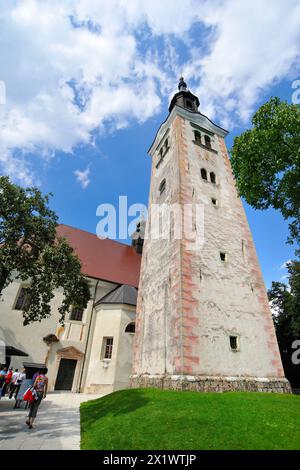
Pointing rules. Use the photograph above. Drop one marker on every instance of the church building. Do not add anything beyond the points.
(92, 352)
(164, 312)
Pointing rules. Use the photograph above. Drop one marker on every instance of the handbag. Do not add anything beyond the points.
(30, 395)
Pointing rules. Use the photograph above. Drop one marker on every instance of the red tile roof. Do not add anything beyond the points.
(106, 259)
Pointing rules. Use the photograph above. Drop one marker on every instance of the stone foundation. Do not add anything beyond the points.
(211, 384)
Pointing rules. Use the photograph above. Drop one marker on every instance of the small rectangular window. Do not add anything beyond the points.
(22, 299)
(233, 342)
(214, 201)
(203, 173)
(76, 314)
(223, 256)
(108, 347)
(213, 177)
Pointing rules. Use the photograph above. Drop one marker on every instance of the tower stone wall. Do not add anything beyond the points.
(191, 303)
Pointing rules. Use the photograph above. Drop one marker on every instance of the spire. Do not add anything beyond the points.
(184, 98)
(182, 85)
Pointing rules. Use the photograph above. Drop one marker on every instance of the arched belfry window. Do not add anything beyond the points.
(130, 328)
(207, 141)
(212, 177)
(162, 186)
(197, 136)
(204, 173)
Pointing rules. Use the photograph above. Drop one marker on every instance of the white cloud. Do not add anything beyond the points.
(254, 44)
(74, 67)
(83, 177)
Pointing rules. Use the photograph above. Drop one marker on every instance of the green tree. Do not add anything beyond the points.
(266, 162)
(294, 281)
(30, 250)
(285, 302)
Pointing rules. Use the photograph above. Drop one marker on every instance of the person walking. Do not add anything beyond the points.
(40, 385)
(7, 381)
(2, 379)
(12, 383)
(17, 379)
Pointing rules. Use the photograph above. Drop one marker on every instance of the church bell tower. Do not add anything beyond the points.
(203, 317)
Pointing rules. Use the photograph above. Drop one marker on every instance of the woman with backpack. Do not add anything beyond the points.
(40, 387)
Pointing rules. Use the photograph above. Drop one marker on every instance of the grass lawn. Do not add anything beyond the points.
(169, 420)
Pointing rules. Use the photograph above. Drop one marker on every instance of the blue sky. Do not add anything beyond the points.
(84, 101)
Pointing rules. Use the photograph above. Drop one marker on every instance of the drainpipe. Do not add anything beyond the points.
(88, 336)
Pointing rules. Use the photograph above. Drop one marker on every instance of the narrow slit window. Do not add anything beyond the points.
(166, 144)
(214, 201)
(244, 247)
(233, 343)
(162, 186)
(212, 177)
(223, 256)
(207, 141)
(204, 174)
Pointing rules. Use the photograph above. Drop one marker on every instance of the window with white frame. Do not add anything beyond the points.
(107, 347)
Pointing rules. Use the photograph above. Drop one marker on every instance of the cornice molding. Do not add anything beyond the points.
(197, 118)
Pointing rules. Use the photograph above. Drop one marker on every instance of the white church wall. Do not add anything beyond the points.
(125, 347)
(30, 338)
(27, 338)
(106, 375)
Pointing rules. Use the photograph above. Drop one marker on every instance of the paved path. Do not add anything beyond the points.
(57, 426)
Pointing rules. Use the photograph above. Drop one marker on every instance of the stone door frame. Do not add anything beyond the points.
(70, 353)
